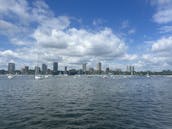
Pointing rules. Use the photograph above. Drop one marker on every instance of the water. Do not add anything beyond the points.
(86, 103)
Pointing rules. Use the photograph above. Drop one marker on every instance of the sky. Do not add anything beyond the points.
(116, 33)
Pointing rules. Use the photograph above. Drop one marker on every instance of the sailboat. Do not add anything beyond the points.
(37, 75)
(46, 76)
(147, 75)
(10, 76)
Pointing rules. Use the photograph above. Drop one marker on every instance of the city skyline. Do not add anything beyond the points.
(116, 33)
(11, 67)
(84, 69)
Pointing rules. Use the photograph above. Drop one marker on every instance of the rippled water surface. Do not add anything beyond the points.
(86, 103)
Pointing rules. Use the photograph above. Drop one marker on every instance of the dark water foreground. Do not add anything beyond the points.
(86, 103)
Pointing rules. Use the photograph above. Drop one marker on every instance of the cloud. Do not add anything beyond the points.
(163, 16)
(14, 8)
(43, 37)
(7, 28)
(165, 29)
(129, 57)
(98, 21)
(8, 53)
(131, 31)
(158, 57)
(19, 17)
(125, 26)
(82, 43)
(163, 44)
(21, 42)
(163, 13)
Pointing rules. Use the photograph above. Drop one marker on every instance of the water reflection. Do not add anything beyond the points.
(86, 102)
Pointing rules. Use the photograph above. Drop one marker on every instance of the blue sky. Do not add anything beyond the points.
(116, 32)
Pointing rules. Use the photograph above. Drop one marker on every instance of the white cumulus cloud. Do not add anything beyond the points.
(40, 35)
(163, 12)
(163, 44)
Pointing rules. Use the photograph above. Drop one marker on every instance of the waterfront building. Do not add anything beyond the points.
(22, 71)
(26, 69)
(44, 68)
(55, 67)
(130, 69)
(11, 68)
(118, 70)
(84, 67)
(99, 67)
(49, 71)
(107, 70)
(65, 70)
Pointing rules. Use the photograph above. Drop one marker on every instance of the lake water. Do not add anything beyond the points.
(83, 102)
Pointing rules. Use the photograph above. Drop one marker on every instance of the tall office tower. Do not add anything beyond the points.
(55, 67)
(128, 69)
(84, 67)
(99, 67)
(107, 70)
(132, 70)
(44, 68)
(26, 69)
(65, 70)
(11, 68)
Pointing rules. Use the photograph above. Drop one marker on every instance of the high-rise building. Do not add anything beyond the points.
(65, 70)
(84, 67)
(22, 71)
(55, 67)
(44, 68)
(11, 68)
(99, 67)
(26, 69)
(107, 70)
(130, 69)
